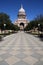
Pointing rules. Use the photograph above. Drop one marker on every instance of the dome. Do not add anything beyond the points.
(21, 9)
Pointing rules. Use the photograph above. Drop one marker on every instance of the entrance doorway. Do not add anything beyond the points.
(21, 26)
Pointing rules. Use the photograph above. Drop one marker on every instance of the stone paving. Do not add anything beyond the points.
(21, 49)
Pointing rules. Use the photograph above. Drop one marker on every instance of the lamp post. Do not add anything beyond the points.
(4, 28)
(38, 28)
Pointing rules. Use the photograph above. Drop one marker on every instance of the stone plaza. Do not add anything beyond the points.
(21, 49)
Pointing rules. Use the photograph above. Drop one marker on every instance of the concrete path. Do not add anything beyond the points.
(21, 49)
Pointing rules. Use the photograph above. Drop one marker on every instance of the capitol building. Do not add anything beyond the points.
(21, 18)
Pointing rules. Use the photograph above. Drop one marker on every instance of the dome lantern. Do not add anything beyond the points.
(21, 11)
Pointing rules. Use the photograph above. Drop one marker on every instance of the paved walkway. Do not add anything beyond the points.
(21, 49)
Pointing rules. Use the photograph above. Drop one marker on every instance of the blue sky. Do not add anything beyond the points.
(11, 7)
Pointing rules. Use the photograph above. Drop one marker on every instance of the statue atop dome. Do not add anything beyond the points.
(21, 6)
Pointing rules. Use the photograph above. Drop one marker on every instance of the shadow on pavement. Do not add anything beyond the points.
(40, 37)
(1, 39)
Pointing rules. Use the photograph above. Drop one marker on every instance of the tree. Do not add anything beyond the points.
(16, 28)
(5, 19)
(34, 23)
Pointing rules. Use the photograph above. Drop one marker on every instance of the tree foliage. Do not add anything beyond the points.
(34, 23)
(5, 19)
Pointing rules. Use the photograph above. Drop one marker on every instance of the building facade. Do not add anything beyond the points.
(21, 21)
